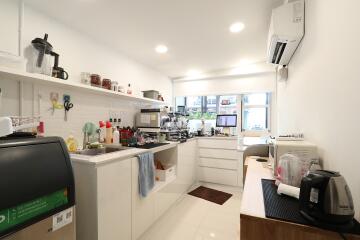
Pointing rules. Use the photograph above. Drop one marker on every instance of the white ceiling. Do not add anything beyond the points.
(195, 31)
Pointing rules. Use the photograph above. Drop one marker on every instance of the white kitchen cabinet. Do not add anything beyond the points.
(143, 209)
(220, 176)
(9, 26)
(114, 200)
(220, 161)
(218, 153)
(187, 162)
(218, 143)
(103, 200)
(147, 210)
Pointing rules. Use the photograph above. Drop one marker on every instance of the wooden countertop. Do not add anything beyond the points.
(252, 203)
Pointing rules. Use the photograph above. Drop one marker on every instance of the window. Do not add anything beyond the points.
(255, 112)
(206, 107)
(254, 109)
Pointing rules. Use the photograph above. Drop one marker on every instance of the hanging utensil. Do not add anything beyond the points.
(67, 106)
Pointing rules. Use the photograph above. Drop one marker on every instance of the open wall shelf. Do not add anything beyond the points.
(14, 74)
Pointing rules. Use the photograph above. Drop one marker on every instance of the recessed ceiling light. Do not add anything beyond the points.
(161, 49)
(236, 27)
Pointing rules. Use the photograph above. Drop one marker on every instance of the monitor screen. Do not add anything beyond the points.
(229, 120)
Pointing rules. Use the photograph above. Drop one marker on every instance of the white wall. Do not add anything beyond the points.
(78, 53)
(321, 97)
(262, 82)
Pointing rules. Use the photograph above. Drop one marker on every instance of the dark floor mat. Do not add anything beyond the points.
(211, 195)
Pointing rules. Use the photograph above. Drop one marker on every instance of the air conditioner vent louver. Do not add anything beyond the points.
(278, 53)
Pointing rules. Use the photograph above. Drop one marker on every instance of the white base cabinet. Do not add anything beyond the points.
(146, 211)
(103, 200)
(187, 163)
(220, 161)
(108, 202)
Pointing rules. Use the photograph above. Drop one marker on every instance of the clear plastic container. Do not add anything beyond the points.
(39, 62)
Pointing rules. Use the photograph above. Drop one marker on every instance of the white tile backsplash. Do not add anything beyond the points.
(88, 107)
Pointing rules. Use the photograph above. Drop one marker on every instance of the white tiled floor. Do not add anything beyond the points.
(193, 218)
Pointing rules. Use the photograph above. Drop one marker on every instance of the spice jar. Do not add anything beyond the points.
(95, 80)
(85, 78)
(106, 83)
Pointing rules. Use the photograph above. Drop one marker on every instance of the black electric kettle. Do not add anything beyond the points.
(325, 199)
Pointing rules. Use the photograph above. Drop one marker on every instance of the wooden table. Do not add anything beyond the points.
(253, 223)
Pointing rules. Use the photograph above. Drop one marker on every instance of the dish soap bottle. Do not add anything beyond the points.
(116, 136)
(71, 143)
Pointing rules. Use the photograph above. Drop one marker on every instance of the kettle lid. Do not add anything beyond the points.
(326, 173)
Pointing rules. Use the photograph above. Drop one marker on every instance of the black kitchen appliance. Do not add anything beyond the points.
(36, 181)
(326, 201)
(43, 46)
(58, 72)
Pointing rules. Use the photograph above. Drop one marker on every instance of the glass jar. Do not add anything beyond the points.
(95, 80)
(85, 78)
(106, 83)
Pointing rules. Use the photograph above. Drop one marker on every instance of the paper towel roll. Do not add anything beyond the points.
(288, 190)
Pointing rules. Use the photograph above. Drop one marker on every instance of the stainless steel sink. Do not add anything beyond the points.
(100, 151)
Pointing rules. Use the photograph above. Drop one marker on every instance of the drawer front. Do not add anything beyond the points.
(218, 163)
(220, 176)
(215, 143)
(219, 153)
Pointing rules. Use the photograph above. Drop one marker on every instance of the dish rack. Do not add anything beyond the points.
(11, 124)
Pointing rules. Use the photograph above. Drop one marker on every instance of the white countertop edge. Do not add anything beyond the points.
(116, 156)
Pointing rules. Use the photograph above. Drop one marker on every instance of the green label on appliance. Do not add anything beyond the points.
(16, 215)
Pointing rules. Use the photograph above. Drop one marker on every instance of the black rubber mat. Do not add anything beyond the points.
(286, 208)
(211, 195)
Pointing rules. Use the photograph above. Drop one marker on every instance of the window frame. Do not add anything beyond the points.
(268, 114)
(240, 107)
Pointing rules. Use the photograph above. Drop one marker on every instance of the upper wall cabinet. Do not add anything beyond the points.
(9, 26)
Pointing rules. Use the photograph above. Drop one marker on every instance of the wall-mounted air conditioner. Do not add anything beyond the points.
(286, 31)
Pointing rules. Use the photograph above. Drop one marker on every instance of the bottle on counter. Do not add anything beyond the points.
(129, 89)
(109, 133)
(71, 143)
(116, 136)
(102, 133)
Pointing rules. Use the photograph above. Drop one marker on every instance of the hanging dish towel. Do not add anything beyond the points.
(146, 173)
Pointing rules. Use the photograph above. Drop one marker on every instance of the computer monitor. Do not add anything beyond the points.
(226, 120)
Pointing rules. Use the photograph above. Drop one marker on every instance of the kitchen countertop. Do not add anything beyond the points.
(132, 152)
(119, 155)
(252, 203)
